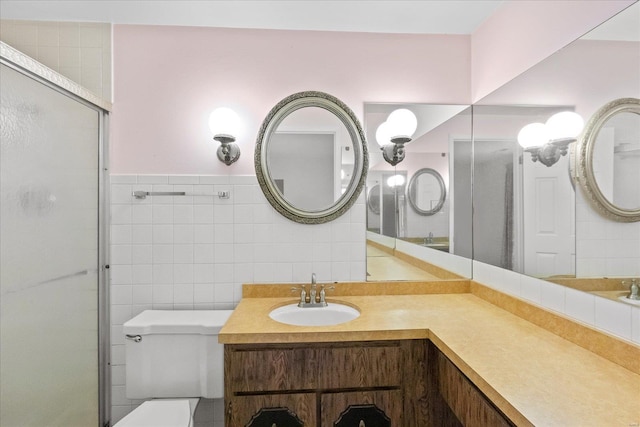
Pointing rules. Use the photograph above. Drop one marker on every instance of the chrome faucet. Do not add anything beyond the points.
(428, 240)
(314, 301)
(634, 290)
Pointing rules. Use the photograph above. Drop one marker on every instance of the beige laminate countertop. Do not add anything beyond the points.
(534, 376)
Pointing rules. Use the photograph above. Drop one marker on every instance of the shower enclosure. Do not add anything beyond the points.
(52, 261)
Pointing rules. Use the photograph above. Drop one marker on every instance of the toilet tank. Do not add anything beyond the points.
(174, 354)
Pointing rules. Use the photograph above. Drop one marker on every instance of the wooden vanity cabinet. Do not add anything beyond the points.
(458, 402)
(381, 383)
(351, 384)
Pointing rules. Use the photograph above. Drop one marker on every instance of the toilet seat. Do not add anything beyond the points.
(161, 413)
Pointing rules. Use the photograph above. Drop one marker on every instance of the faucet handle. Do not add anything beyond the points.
(303, 295)
(322, 293)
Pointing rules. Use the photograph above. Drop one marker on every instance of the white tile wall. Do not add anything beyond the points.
(616, 318)
(604, 248)
(78, 51)
(196, 251)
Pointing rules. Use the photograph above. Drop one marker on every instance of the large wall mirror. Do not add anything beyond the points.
(422, 205)
(529, 218)
(311, 157)
(532, 218)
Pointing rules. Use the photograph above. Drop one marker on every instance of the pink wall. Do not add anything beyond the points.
(168, 79)
(579, 76)
(522, 33)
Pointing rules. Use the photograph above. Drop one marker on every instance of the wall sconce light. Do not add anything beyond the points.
(393, 134)
(547, 142)
(224, 124)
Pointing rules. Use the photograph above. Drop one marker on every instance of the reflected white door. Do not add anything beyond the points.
(549, 218)
(49, 258)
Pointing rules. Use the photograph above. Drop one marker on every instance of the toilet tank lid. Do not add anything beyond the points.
(203, 322)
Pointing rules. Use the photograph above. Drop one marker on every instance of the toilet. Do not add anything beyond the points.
(174, 358)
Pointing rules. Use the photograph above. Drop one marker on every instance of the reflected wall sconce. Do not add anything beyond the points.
(549, 141)
(394, 133)
(396, 181)
(225, 124)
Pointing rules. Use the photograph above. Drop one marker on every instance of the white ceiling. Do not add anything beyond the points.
(382, 16)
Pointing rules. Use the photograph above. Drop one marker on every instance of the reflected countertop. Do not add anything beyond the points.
(534, 376)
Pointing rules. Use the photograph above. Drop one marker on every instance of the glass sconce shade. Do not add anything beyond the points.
(224, 121)
(396, 181)
(383, 134)
(565, 124)
(402, 122)
(533, 135)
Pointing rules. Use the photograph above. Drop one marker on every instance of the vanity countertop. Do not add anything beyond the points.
(534, 376)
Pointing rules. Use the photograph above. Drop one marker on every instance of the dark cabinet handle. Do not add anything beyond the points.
(271, 417)
(358, 414)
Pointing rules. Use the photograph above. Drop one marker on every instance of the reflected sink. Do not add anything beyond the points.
(438, 246)
(332, 314)
(629, 301)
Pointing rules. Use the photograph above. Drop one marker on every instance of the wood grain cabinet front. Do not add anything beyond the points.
(381, 408)
(280, 410)
(405, 383)
(328, 384)
(462, 398)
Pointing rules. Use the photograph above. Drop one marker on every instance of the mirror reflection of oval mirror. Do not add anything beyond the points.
(426, 191)
(616, 160)
(609, 159)
(311, 157)
(373, 199)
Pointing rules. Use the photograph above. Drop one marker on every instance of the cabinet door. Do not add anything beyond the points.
(280, 410)
(362, 409)
(468, 404)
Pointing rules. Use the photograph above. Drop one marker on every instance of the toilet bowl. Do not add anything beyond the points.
(173, 358)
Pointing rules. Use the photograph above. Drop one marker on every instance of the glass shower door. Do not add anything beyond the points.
(49, 255)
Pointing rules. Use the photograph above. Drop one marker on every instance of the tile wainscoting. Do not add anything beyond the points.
(195, 251)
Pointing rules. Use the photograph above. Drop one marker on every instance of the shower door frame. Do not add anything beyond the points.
(31, 68)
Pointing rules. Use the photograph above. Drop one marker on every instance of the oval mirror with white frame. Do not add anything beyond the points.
(426, 191)
(608, 164)
(311, 157)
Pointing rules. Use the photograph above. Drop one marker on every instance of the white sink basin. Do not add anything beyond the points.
(332, 314)
(629, 301)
